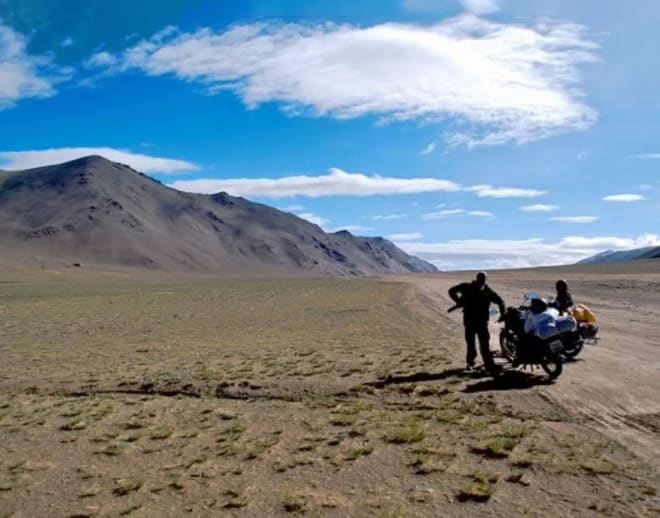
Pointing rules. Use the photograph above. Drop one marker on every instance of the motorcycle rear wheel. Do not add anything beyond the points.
(569, 354)
(552, 365)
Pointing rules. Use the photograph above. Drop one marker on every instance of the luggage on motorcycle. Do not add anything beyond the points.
(549, 323)
(566, 324)
(541, 324)
(582, 313)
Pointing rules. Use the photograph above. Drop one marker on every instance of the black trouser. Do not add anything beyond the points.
(478, 329)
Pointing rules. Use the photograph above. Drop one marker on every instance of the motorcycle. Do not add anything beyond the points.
(526, 349)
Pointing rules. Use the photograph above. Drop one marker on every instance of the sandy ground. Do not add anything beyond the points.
(614, 386)
(126, 394)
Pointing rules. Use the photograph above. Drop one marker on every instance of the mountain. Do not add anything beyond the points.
(610, 256)
(95, 210)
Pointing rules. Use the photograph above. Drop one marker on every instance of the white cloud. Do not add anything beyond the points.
(443, 214)
(354, 228)
(67, 42)
(487, 254)
(428, 149)
(293, 208)
(101, 59)
(488, 191)
(406, 236)
(575, 219)
(480, 6)
(654, 156)
(314, 218)
(450, 213)
(539, 207)
(140, 162)
(497, 82)
(388, 217)
(624, 197)
(645, 187)
(23, 75)
(335, 183)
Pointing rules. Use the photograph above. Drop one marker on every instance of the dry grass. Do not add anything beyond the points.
(260, 397)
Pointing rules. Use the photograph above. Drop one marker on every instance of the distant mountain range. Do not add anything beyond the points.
(95, 210)
(610, 256)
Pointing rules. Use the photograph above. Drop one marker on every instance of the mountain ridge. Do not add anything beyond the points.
(611, 256)
(92, 209)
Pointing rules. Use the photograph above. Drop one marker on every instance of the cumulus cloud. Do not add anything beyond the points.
(23, 75)
(487, 254)
(497, 82)
(539, 207)
(406, 236)
(335, 183)
(626, 198)
(140, 162)
(489, 191)
(428, 149)
(575, 219)
(101, 59)
(480, 6)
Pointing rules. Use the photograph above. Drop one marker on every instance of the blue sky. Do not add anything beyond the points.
(473, 133)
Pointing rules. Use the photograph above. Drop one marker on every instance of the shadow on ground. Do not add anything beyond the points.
(509, 380)
(426, 376)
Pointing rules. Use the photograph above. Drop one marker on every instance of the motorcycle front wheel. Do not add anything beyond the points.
(508, 347)
(552, 365)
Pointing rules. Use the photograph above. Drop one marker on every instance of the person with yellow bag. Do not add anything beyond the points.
(585, 318)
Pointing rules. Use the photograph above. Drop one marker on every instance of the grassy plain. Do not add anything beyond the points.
(154, 396)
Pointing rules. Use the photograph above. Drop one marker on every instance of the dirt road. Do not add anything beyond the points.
(615, 386)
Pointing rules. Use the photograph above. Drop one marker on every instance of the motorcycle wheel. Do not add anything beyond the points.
(552, 365)
(569, 354)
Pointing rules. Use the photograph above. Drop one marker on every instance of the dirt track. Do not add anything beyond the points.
(614, 386)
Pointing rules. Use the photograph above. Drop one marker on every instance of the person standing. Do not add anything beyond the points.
(475, 298)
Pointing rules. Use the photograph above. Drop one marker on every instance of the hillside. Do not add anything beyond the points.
(99, 211)
(610, 256)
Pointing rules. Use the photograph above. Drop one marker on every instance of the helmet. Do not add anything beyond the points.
(538, 305)
(561, 285)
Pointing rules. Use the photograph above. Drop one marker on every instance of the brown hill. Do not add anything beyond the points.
(94, 210)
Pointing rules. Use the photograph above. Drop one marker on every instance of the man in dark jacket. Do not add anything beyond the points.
(475, 298)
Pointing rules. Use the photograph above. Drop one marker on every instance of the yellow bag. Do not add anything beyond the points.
(582, 313)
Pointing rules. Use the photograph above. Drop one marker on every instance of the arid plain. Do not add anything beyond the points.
(138, 394)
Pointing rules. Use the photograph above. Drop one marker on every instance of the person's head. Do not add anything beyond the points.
(481, 278)
(562, 286)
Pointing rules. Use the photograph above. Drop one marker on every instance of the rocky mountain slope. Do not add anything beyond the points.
(95, 210)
